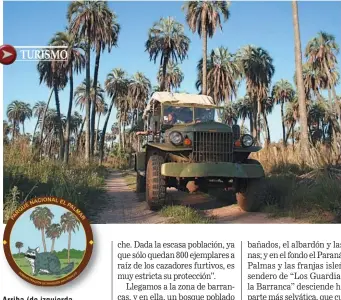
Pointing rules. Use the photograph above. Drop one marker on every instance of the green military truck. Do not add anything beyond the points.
(184, 143)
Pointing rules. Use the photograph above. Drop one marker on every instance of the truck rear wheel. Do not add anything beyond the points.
(246, 194)
(140, 183)
(155, 183)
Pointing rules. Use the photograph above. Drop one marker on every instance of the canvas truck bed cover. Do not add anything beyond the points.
(180, 99)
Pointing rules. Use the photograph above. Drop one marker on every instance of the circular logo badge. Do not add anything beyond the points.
(48, 241)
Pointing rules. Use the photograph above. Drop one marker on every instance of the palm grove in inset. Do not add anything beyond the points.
(42, 220)
(219, 75)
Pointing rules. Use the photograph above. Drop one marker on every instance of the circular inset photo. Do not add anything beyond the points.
(48, 241)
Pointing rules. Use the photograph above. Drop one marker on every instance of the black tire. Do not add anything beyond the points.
(246, 191)
(140, 183)
(246, 194)
(155, 183)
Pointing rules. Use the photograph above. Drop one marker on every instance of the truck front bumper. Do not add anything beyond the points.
(223, 169)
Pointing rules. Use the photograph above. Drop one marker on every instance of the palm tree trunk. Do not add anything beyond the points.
(124, 135)
(242, 124)
(300, 86)
(204, 51)
(88, 101)
(251, 124)
(164, 72)
(101, 143)
(60, 126)
(120, 132)
(23, 127)
(68, 119)
(79, 135)
(96, 139)
(336, 104)
(283, 126)
(35, 128)
(293, 136)
(14, 130)
(267, 129)
(43, 238)
(288, 133)
(52, 246)
(259, 110)
(43, 121)
(69, 247)
(255, 119)
(93, 109)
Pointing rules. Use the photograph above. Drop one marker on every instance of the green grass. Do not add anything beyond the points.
(130, 178)
(25, 266)
(315, 201)
(26, 177)
(184, 215)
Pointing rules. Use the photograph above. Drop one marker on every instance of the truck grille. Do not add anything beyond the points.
(213, 147)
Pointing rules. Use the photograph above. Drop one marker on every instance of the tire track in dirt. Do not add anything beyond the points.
(123, 205)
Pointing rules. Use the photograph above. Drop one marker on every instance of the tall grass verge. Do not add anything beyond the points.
(25, 178)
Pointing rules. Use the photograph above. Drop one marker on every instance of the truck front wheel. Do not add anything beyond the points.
(156, 183)
(140, 183)
(246, 194)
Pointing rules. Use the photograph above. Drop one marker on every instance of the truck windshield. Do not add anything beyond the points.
(204, 114)
(183, 115)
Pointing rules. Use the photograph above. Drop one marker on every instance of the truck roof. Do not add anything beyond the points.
(180, 99)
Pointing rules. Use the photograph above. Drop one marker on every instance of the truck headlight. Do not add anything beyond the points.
(247, 140)
(176, 138)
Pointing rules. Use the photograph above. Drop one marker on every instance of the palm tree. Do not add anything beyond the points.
(139, 90)
(6, 130)
(267, 107)
(174, 76)
(300, 86)
(106, 35)
(77, 122)
(74, 63)
(26, 113)
(282, 92)
(244, 108)
(14, 111)
(19, 245)
(257, 69)
(82, 16)
(204, 17)
(54, 74)
(167, 39)
(314, 81)
(42, 121)
(321, 51)
(229, 114)
(38, 110)
(116, 86)
(69, 223)
(42, 217)
(52, 121)
(290, 118)
(53, 232)
(96, 95)
(101, 109)
(223, 73)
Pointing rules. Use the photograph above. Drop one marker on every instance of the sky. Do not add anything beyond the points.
(24, 231)
(265, 24)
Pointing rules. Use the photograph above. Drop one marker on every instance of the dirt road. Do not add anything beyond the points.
(123, 205)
